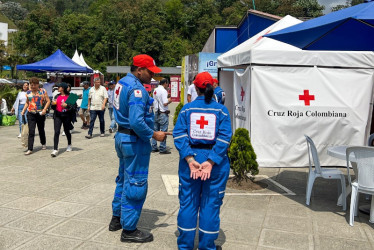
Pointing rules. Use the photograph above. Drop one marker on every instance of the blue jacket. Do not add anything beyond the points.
(202, 123)
(219, 95)
(133, 108)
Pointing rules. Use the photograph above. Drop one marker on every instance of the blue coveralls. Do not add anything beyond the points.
(196, 197)
(219, 95)
(132, 110)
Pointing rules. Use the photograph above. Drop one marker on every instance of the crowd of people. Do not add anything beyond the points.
(202, 135)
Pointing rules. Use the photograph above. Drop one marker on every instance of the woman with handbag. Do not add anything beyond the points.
(62, 116)
(37, 103)
(18, 106)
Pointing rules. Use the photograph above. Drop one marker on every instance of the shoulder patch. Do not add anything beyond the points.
(138, 93)
(117, 94)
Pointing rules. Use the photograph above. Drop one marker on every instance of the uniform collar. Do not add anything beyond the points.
(133, 76)
(200, 97)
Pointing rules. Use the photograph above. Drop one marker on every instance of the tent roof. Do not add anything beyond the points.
(57, 62)
(263, 50)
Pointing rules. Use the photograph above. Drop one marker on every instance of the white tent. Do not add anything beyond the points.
(279, 93)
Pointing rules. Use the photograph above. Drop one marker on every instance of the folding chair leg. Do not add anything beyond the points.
(353, 206)
(309, 187)
(356, 200)
(343, 193)
(372, 210)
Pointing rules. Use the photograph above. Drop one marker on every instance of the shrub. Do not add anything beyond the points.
(177, 110)
(9, 94)
(242, 156)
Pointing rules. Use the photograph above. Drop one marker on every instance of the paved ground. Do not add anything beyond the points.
(65, 203)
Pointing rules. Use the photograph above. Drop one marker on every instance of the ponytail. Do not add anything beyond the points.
(208, 93)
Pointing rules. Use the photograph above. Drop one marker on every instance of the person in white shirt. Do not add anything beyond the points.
(97, 98)
(18, 106)
(4, 107)
(161, 109)
(191, 93)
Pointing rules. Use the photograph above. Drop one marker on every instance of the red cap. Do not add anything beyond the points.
(202, 79)
(145, 61)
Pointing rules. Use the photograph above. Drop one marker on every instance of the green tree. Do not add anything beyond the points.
(310, 8)
(13, 11)
(242, 156)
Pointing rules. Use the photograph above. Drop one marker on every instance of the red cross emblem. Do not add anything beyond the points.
(242, 93)
(306, 97)
(155, 93)
(202, 122)
(117, 91)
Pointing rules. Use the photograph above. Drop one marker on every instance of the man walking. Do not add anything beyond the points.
(113, 125)
(84, 114)
(219, 94)
(134, 115)
(161, 109)
(97, 98)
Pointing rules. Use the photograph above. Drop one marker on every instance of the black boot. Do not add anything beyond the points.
(115, 224)
(218, 247)
(136, 236)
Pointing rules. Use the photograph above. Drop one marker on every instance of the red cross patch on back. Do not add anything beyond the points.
(203, 126)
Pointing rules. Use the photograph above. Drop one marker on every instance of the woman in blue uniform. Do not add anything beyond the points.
(202, 135)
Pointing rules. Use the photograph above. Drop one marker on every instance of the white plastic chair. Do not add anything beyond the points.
(364, 182)
(326, 173)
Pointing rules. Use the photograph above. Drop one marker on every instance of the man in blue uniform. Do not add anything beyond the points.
(134, 115)
(219, 94)
(202, 135)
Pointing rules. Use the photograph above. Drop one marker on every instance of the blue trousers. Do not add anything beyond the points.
(93, 115)
(132, 179)
(161, 124)
(20, 118)
(113, 124)
(200, 200)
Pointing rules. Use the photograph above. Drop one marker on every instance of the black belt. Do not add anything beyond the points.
(202, 146)
(126, 131)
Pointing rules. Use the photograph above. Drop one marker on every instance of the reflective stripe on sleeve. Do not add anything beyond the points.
(209, 232)
(218, 139)
(187, 229)
(180, 136)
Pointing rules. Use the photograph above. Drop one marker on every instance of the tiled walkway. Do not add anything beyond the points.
(65, 203)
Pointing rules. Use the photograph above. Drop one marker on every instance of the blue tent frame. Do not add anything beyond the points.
(57, 62)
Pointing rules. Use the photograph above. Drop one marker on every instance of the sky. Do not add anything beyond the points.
(330, 3)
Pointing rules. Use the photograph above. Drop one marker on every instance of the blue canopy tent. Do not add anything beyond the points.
(350, 29)
(57, 62)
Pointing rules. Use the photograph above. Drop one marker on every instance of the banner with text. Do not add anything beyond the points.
(332, 106)
(242, 99)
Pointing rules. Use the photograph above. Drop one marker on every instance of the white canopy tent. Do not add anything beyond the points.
(279, 93)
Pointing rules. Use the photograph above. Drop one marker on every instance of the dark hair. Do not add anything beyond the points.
(208, 92)
(66, 89)
(163, 81)
(133, 68)
(34, 80)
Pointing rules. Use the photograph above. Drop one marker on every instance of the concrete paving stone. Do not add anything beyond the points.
(255, 202)
(5, 198)
(97, 214)
(78, 229)
(337, 229)
(242, 216)
(287, 210)
(98, 246)
(51, 243)
(289, 224)
(35, 222)
(236, 246)
(161, 194)
(150, 220)
(76, 183)
(327, 216)
(5, 184)
(161, 240)
(23, 188)
(64, 209)
(159, 206)
(86, 197)
(170, 225)
(112, 238)
(101, 187)
(10, 238)
(106, 202)
(15, 169)
(55, 193)
(285, 240)
(243, 234)
(331, 243)
(7, 215)
(288, 199)
(28, 203)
